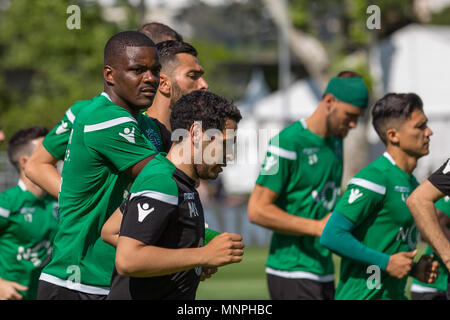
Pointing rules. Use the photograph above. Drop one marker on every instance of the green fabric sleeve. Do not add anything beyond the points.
(210, 234)
(337, 237)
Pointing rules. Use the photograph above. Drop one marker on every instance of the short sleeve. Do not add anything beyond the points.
(441, 178)
(120, 141)
(364, 195)
(55, 142)
(276, 168)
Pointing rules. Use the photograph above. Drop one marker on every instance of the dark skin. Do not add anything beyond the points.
(131, 81)
(132, 78)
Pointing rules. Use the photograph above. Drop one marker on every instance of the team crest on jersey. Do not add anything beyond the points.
(405, 191)
(128, 134)
(327, 196)
(144, 211)
(27, 214)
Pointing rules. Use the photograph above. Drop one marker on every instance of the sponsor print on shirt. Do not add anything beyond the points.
(328, 195)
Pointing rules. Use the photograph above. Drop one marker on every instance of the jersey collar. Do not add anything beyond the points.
(22, 185)
(389, 157)
(106, 96)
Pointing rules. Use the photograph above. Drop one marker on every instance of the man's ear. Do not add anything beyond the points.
(328, 100)
(108, 75)
(22, 162)
(165, 85)
(195, 132)
(392, 136)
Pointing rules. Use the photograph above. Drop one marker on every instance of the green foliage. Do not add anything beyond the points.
(44, 66)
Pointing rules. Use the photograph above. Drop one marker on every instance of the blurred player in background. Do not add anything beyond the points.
(297, 188)
(28, 223)
(2, 135)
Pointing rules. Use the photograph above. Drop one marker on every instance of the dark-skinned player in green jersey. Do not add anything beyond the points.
(106, 151)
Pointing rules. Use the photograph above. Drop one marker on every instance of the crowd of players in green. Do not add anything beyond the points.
(130, 223)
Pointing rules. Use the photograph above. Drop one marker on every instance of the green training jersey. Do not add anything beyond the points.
(27, 227)
(305, 170)
(375, 201)
(55, 142)
(155, 131)
(441, 282)
(105, 141)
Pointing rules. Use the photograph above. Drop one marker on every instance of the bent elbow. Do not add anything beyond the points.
(253, 213)
(123, 266)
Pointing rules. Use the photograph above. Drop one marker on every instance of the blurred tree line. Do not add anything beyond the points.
(45, 67)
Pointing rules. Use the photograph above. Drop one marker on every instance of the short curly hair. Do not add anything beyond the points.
(204, 106)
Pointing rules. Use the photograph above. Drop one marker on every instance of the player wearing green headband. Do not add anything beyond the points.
(298, 186)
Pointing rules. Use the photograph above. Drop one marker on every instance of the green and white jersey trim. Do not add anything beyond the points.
(156, 195)
(283, 153)
(389, 157)
(70, 116)
(369, 185)
(73, 285)
(4, 213)
(422, 289)
(108, 124)
(106, 95)
(300, 275)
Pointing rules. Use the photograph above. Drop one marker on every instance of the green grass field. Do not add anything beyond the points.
(247, 280)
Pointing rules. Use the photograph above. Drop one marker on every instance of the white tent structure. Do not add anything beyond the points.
(417, 59)
(268, 116)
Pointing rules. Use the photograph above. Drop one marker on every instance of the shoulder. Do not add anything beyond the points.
(373, 177)
(157, 176)
(286, 143)
(10, 201)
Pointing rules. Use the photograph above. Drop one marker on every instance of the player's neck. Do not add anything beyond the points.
(180, 155)
(317, 124)
(403, 160)
(30, 186)
(121, 103)
(160, 110)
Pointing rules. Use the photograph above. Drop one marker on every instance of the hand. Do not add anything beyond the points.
(224, 249)
(426, 270)
(207, 273)
(400, 264)
(8, 290)
(321, 224)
